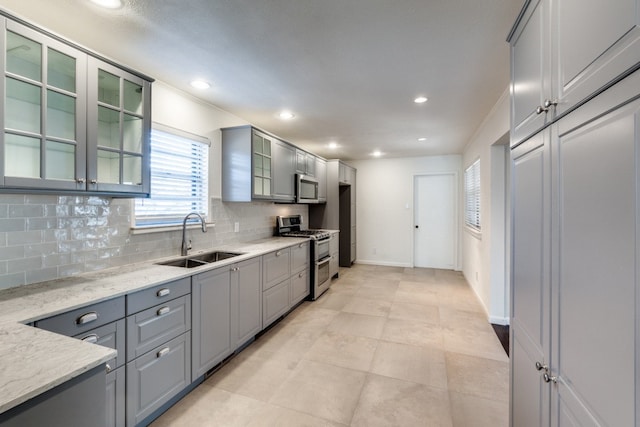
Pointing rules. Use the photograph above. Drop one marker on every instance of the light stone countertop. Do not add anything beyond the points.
(33, 360)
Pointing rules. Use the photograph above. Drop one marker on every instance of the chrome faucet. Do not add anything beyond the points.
(184, 250)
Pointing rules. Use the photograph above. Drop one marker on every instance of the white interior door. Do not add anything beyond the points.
(435, 221)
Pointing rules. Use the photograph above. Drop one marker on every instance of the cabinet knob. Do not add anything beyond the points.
(94, 181)
(549, 379)
(80, 180)
(549, 103)
(108, 368)
(540, 109)
(235, 269)
(278, 253)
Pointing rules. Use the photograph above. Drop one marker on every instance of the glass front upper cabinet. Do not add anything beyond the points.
(262, 177)
(44, 123)
(119, 126)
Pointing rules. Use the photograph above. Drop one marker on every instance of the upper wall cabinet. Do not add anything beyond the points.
(564, 53)
(258, 166)
(305, 163)
(70, 122)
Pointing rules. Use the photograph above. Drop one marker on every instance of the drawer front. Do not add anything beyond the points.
(299, 286)
(112, 336)
(150, 328)
(84, 319)
(157, 295)
(275, 267)
(275, 302)
(116, 398)
(154, 378)
(300, 257)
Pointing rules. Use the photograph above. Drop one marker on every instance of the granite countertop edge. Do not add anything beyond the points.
(33, 360)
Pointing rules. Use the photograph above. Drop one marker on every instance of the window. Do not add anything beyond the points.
(472, 195)
(179, 178)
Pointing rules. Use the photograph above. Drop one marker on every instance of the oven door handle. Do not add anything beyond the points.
(323, 261)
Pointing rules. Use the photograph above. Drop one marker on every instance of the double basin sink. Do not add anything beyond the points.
(199, 260)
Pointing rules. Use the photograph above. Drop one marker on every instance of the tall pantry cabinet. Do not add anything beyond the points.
(575, 110)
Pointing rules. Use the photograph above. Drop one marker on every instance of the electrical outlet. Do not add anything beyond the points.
(236, 227)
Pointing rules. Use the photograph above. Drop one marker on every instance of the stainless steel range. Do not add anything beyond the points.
(290, 226)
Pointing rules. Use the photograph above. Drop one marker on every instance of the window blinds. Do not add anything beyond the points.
(472, 195)
(179, 178)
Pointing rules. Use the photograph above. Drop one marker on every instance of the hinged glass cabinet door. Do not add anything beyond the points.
(118, 129)
(44, 124)
(262, 178)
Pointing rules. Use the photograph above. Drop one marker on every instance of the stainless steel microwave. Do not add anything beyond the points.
(306, 189)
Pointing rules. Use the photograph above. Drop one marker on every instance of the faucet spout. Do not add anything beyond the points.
(184, 249)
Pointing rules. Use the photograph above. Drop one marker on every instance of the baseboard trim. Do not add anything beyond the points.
(383, 263)
(504, 321)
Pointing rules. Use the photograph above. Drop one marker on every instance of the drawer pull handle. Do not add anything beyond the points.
(163, 352)
(87, 318)
(163, 292)
(92, 339)
(109, 368)
(301, 245)
(278, 253)
(163, 310)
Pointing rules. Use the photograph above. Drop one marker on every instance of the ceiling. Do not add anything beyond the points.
(348, 69)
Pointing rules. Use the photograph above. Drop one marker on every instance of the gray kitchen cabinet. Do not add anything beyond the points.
(300, 257)
(247, 170)
(321, 176)
(574, 266)
(275, 302)
(299, 287)
(284, 174)
(558, 61)
(158, 348)
(276, 267)
(157, 376)
(59, 130)
(119, 128)
(246, 298)
(227, 312)
(116, 397)
(78, 402)
(84, 319)
(305, 163)
(111, 335)
(334, 251)
(211, 324)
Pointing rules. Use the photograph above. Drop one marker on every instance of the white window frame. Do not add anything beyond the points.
(472, 205)
(145, 216)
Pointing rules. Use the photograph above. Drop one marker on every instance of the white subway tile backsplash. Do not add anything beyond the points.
(45, 237)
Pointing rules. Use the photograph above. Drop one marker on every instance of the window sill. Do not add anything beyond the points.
(473, 232)
(163, 228)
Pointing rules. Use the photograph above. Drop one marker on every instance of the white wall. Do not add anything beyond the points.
(485, 256)
(384, 206)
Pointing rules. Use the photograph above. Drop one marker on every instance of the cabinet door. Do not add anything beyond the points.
(276, 267)
(321, 176)
(275, 302)
(247, 297)
(595, 268)
(300, 257)
(299, 287)
(301, 162)
(586, 60)
(310, 161)
(115, 406)
(44, 124)
(210, 326)
(119, 129)
(530, 295)
(530, 71)
(284, 172)
(262, 184)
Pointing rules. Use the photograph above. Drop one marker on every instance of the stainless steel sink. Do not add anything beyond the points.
(199, 260)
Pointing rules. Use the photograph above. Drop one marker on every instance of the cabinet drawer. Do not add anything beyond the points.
(275, 302)
(299, 286)
(111, 335)
(158, 294)
(275, 267)
(116, 398)
(150, 328)
(154, 378)
(300, 257)
(84, 319)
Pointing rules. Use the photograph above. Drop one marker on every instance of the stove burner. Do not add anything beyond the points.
(314, 234)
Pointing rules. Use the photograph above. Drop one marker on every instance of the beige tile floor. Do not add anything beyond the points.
(385, 346)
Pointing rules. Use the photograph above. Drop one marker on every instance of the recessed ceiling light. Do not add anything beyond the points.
(333, 145)
(109, 4)
(422, 139)
(376, 153)
(286, 115)
(420, 100)
(200, 84)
